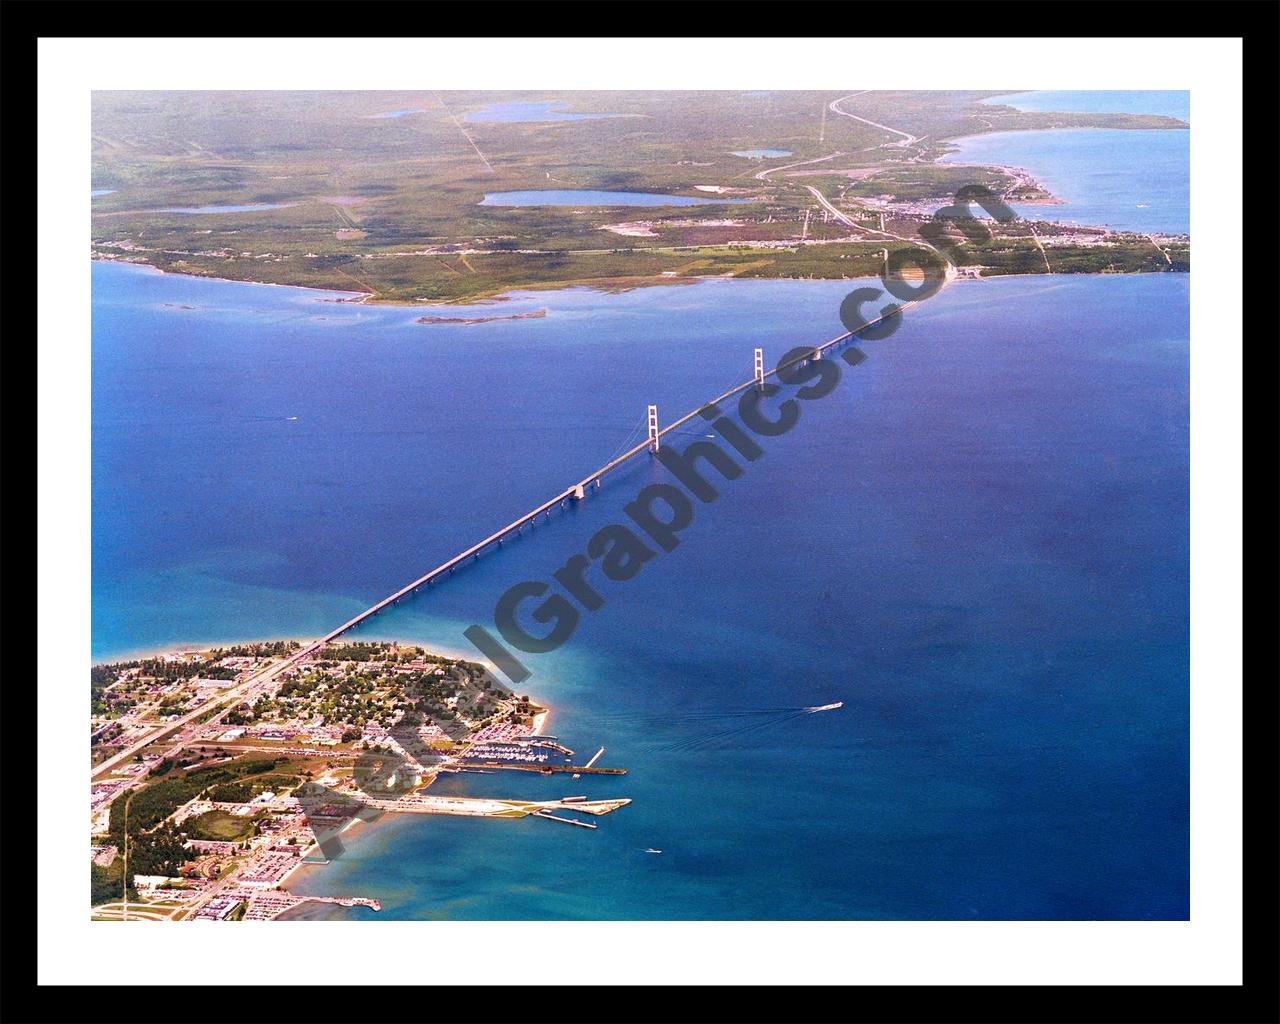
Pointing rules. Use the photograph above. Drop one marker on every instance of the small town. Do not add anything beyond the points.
(218, 774)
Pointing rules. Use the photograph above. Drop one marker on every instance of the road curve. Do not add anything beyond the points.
(907, 137)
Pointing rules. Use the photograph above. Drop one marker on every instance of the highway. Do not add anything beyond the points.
(764, 175)
(907, 137)
(264, 676)
(950, 274)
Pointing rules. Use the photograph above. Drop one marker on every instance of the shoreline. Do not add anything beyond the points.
(143, 654)
(95, 258)
(595, 284)
(1183, 127)
(305, 871)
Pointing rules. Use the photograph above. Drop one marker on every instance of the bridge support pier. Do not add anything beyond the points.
(759, 371)
(653, 429)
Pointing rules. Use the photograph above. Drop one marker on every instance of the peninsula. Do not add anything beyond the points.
(453, 205)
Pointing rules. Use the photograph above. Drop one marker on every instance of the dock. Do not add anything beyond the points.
(482, 807)
(566, 821)
(542, 768)
(345, 901)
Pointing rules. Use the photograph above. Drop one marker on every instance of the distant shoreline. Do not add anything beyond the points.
(597, 284)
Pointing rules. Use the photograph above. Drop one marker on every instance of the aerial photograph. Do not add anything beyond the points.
(754, 505)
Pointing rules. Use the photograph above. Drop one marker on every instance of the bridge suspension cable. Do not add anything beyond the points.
(577, 491)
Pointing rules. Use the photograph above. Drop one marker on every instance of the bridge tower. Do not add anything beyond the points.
(759, 369)
(653, 429)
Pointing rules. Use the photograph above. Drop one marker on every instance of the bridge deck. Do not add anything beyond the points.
(568, 492)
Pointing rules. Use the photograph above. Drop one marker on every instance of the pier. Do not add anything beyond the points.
(345, 901)
(542, 767)
(485, 807)
(566, 821)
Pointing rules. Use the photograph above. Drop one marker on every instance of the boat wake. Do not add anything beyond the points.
(709, 728)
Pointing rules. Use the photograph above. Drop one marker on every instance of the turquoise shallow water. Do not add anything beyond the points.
(978, 543)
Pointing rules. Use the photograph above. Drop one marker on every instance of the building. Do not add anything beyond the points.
(219, 908)
(103, 855)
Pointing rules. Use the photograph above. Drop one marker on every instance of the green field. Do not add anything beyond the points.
(220, 825)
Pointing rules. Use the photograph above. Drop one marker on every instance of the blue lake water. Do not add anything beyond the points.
(94, 193)
(757, 154)
(395, 113)
(529, 112)
(978, 543)
(245, 208)
(587, 197)
(1094, 101)
(1127, 180)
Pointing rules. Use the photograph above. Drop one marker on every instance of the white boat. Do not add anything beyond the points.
(826, 707)
(650, 849)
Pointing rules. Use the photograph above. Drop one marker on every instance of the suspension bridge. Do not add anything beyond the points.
(579, 490)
